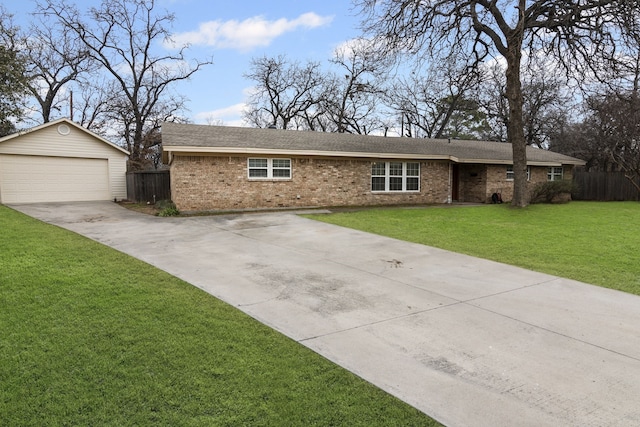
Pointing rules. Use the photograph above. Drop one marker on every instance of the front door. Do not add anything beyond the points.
(455, 182)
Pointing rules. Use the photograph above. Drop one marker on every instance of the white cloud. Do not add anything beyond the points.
(227, 116)
(248, 34)
(351, 45)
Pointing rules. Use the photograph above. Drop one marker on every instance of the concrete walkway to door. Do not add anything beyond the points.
(468, 341)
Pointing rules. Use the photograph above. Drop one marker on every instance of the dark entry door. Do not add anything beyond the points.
(455, 182)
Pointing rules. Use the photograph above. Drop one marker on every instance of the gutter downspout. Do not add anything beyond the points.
(450, 189)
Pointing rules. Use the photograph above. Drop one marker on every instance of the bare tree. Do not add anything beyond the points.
(492, 97)
(121, 37)
(607, 134)
(427, 101)
(352, 94)
(545, 101)
(580, 34)
(91, 101)
(612, 127)
(303, 96)
(581, 138)
(55, 57)
(284, 91)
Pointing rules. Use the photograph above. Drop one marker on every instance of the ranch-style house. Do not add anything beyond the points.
(216, 168)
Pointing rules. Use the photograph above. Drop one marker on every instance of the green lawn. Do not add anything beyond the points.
(597, 243)
(90, 336)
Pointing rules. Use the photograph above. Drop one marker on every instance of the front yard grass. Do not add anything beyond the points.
(90, 336)
(593, 242)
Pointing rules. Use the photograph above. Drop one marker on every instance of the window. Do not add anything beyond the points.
(258, 168)
(281, 168)
(554, 173)
(269, 168)
(510, 174)
(395, 176)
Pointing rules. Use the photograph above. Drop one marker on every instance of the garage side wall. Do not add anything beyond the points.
(210, 183)
(75, 144)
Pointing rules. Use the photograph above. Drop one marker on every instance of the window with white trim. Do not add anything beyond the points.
(554, 173)
(510, 173)
(395, 176)
(261, 168)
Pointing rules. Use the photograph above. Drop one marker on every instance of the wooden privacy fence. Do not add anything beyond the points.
(603, 186)
(148, 186)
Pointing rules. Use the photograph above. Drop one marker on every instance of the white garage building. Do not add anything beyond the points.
(60, 161)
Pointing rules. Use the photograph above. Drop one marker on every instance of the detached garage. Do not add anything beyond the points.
(60, 161)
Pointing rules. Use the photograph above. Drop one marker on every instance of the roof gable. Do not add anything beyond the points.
(58, 122)
(177, 137)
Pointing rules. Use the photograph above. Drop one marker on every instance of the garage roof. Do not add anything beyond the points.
(204, 139)
(58, 122)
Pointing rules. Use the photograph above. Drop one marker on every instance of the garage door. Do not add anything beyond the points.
(31, 179)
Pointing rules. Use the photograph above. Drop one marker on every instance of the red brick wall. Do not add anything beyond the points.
(209, 183)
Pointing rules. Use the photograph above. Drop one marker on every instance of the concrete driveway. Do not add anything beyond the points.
(469, 342)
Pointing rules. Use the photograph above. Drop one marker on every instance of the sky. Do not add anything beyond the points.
(235, 31)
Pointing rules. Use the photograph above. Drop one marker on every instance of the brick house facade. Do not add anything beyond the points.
(211, 182)
(223, 168)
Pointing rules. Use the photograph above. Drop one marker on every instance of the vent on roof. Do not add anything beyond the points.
(273, 127)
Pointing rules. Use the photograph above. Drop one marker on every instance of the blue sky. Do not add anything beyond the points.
(234, 32)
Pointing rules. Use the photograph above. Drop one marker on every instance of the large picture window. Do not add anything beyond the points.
(269, 168)
(395, 176)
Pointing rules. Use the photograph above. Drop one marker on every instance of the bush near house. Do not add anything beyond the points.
(553, 192)
(167, 208)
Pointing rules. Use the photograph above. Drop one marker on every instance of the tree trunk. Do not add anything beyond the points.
(515, 127)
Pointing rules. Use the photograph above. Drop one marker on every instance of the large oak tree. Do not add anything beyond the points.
(583, 36)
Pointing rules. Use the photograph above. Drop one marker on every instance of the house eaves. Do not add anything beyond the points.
(168, 151)
(298, 153)
(547, 163)
(222, 140)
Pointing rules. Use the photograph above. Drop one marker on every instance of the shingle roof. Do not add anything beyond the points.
(224, 139)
